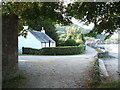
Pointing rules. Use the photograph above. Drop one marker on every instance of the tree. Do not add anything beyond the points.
(48, 27)
(104, 15)
(83, 39)
(63, 36)
(29, 11)
(36, 15)
(80, 38)
(73, 31)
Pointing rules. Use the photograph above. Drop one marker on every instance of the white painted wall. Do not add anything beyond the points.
(47, 45)
(30, 41)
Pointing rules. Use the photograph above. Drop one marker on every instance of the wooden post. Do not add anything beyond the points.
(49, 43)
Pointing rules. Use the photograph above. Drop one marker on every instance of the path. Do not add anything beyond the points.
(57, 71)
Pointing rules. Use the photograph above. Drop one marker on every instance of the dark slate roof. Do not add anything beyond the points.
(42, 37)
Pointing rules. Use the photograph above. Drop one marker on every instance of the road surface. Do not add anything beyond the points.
(71, 71)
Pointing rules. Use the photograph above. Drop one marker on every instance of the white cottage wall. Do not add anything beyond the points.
(47, 45)
(30, 41)
(53, 44)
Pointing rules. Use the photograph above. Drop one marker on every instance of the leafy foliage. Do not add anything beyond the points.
(36, 15)
(33, 11)
(72, 30)
(61, 43)
(70, 42)
(80, 38)
(104, 15)
(48, 27)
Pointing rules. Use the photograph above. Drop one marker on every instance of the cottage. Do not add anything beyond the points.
(35, 39)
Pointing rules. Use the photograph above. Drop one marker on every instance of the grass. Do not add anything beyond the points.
(96, 80)
(98, 84)
(95, 76)
(98, 50)
(113, 84)
(15, 82)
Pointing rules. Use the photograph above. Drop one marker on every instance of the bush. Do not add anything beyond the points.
(70, 42)
(31, 51)
(61, 43)
(68, 50)
(79, 41)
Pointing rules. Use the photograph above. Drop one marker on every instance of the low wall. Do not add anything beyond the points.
(103, 54)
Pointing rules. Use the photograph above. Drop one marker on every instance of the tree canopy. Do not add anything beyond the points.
(104, 15)
(36, 15)
(49, 28)
(29, 11)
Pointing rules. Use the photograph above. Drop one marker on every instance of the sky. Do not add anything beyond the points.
(75, 21)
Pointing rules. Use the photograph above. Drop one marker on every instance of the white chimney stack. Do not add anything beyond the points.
(43, 30)
(25, 27)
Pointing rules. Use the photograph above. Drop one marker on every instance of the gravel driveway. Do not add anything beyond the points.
(57, 71)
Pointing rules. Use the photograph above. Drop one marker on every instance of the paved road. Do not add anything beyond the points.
(57, 71)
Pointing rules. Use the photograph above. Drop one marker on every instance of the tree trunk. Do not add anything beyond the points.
(9, 46)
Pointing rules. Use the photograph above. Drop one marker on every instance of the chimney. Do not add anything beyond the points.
(25, 27)
(43, 30)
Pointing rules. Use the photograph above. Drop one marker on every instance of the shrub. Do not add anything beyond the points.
(67, 50)
(31, 51)
(61, 43)
(70, 42)
(77, 44)
(79, 41)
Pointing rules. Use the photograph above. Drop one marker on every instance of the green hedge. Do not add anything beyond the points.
(70, 42)
(66, 50)
(31, 51)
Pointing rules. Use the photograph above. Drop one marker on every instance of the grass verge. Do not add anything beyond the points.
(96, 79)
(113, 84)
(95, 76)
(98, 50)
(15, 82)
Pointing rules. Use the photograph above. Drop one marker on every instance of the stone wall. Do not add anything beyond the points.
(9, 46)
(103, 54)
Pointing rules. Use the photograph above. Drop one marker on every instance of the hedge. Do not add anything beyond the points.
(66, 50)
(70, 42)
(31, 51)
